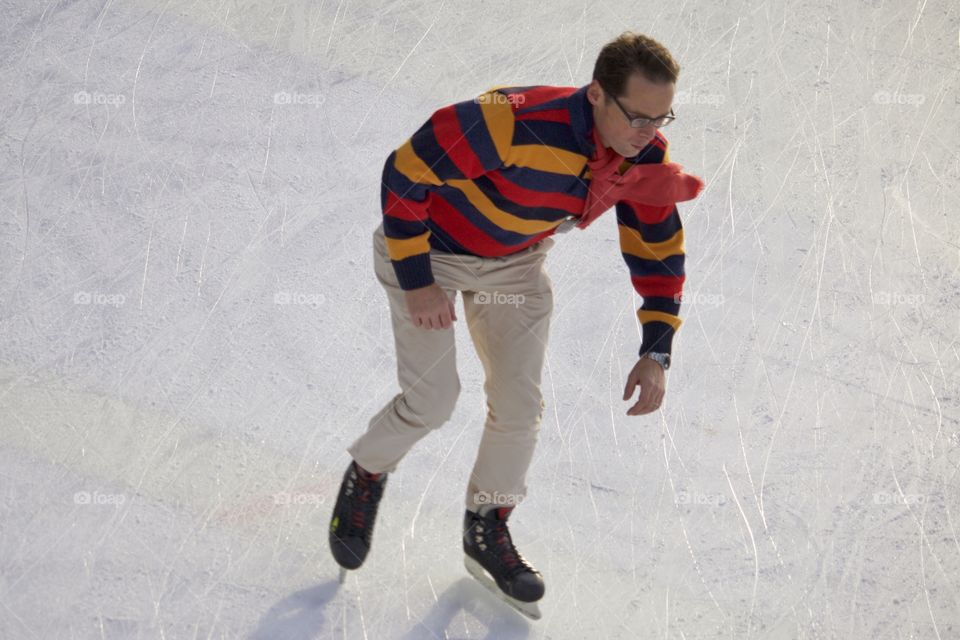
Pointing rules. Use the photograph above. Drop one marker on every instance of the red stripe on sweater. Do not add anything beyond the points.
(451, 222)
(659, 286)
(531, 198)
(403, 209)
(553, 115)
(471, 238)
(649, 214)
(536, 97)
(449, 135)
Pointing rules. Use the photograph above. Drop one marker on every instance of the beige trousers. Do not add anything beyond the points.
(507, 303)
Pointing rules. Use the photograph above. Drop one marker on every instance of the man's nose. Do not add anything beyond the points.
(645, 134)
(649, 130)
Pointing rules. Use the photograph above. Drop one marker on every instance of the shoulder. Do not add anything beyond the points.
(530, 99)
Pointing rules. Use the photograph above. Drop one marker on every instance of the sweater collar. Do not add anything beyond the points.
(581, 119)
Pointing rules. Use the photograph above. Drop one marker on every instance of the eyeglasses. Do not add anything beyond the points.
(637, 123)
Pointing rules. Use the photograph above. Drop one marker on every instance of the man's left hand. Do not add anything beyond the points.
(648, 374)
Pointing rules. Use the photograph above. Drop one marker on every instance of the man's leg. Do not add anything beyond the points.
(426, 371)
(509, 322)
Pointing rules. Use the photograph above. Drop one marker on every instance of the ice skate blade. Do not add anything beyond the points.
(475, 569)
(343, 575)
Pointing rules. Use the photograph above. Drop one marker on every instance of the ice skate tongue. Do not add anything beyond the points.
(500, 513)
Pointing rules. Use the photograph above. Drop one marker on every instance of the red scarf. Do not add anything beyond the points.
(653, 184)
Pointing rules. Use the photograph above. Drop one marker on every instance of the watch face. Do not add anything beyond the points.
(662, 358)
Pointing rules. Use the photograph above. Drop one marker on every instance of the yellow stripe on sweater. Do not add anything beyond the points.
(658, 316)
(399, 249)
(632, 243)
(413, 168)
(498, 119)
(498, 216)
(543, 157)
(500, 122)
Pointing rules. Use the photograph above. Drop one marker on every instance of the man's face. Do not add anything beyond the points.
(643, 99)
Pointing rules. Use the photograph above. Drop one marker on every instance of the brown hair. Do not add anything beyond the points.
(630, 53)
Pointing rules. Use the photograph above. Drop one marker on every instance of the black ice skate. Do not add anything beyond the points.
(489, 550)
(351, 524)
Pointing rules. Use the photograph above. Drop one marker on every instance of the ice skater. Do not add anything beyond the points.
(470, 203)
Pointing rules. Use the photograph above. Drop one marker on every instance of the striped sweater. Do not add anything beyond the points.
(492, 175)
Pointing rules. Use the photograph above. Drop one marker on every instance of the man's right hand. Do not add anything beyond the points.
(430, 308)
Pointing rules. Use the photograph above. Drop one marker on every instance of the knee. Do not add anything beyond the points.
(434, 404)
(520, 410)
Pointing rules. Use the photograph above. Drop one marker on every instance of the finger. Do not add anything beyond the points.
(646, 408)
(644, 402)
(637, 410)
(642, 410)
(628, 390)
(652, 405)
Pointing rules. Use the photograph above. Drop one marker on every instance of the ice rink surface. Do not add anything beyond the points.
(191, 332)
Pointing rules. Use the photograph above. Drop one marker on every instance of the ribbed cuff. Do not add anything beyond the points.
(657, 337)
(413, 272)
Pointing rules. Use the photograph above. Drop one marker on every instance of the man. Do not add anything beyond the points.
(469, 204)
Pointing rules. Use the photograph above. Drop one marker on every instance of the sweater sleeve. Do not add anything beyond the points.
(459, 142)
(651, 242)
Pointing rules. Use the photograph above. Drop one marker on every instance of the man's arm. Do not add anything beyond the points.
(651, 242)
(459, 142)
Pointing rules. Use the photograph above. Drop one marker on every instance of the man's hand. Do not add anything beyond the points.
(430, 308)
(649, 375)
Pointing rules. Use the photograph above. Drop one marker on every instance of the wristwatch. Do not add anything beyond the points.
(663, 359)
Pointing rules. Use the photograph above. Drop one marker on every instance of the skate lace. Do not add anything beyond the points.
(498, 536)
(366, 499)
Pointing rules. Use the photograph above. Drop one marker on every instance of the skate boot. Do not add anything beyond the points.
(488, 547)
(351, 524)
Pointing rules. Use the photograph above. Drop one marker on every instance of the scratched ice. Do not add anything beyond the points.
(191, 333)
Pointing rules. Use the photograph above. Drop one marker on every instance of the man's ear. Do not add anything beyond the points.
(594, 93)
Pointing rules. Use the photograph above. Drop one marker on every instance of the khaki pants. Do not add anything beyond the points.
(507, 303)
